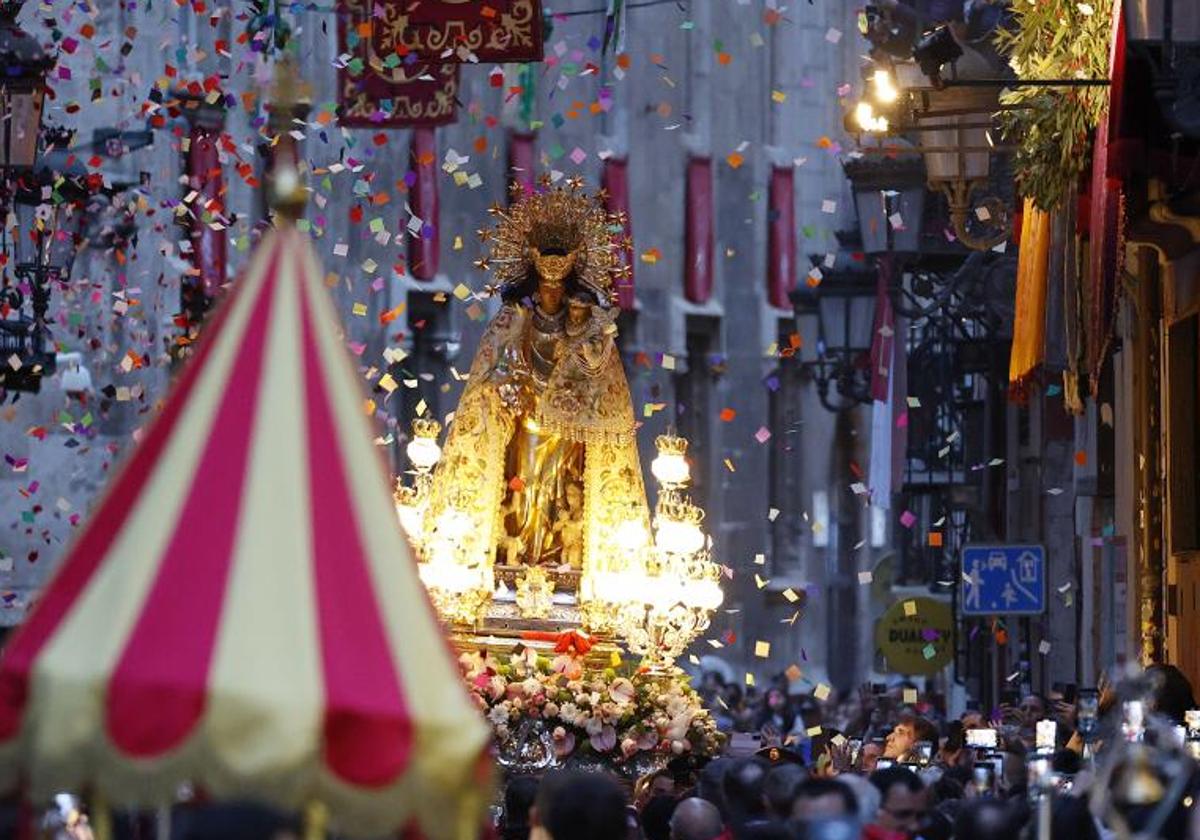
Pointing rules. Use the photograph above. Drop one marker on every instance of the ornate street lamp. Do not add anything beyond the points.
(23, 68)
(24, 357)
(950, 119)
(840, 312)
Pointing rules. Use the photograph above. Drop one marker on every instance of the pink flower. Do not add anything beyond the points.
(629, 747)
(622, 690)
(604, 740)
(567, 665)
(564, 742)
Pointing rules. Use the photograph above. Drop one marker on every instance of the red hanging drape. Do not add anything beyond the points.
(781, 237)
(424, 245)
(206, 176)
(884, 335)
(615, 181)
(698, 231)
(1107, 208)
(522, 160)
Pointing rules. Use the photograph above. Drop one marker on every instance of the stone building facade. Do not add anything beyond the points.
(749, 84)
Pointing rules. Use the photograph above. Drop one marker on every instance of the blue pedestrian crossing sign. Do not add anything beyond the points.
(1003, 580)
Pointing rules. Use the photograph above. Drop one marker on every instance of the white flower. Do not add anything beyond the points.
(498, 714)
(550, 709)
(569, 712)
(1085, 9)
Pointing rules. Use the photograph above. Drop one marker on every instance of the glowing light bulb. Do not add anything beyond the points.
(886, 91)
(424, 453)
(865, 116)
(670, 468)
(675, 537)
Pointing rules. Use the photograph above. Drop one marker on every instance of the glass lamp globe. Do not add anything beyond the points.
(424, 453)
(675, 537)
(670, 468)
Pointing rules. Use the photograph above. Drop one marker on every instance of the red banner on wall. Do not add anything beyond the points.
(424, 245)
(698, 233)
(615, 181)
(463, 30)
(381, 85)
(781, 237)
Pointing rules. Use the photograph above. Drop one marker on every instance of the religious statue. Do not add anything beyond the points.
(569, 528)
(543, 438)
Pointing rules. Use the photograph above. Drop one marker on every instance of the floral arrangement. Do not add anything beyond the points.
(1055, 39)
(614, 713)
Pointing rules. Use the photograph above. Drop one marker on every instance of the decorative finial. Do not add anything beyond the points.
(291, 98)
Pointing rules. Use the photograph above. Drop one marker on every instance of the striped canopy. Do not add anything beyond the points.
(241, 611)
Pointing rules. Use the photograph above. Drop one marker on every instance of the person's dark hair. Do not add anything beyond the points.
(1071, 818)
(987, 819)
(962, 775)
(946, 788)
(1172, 692)
(743, 789)
(765, 831)
(581, 806)
(937, 826)
(956, 737)
(710, 786)
(519, 796)
(816, 788)
(656, 817)
(1067, 761)
(925, 730)
(696, 819)
(780, 788)
(885, 780)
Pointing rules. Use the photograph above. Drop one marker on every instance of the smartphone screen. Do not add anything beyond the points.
(981, 739)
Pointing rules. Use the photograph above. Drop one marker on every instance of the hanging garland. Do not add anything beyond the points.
(1052, 126)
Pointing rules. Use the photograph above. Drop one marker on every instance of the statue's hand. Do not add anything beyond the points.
(510, 396)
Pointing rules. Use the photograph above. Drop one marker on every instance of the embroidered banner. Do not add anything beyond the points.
(377, 87)
(462, 30)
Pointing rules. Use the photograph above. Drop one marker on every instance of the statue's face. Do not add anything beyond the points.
(550, 296)
(578, 311)
(552, 271)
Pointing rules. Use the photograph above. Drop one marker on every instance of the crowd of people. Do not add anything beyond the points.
(1117, 762)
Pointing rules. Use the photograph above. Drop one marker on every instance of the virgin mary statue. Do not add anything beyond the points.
(540, 466)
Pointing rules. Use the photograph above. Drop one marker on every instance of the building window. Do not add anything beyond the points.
(784, 389)
(694, 402)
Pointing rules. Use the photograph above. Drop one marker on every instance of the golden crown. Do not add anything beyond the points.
(556, 221)
(679, 509)
(424, 427)
(671, 444)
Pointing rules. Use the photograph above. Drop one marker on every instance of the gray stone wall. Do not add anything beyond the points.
(775, 100)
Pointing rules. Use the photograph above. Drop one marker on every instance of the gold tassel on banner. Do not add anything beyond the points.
(1029, 323)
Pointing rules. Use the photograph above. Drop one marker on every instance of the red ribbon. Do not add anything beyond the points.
(572, 641)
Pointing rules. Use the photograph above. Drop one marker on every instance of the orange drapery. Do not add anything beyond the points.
(1029, 324)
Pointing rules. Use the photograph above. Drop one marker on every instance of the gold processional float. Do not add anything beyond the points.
(531, 525)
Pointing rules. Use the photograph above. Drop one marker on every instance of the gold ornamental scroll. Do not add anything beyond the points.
(465, 30)
(378, 87)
